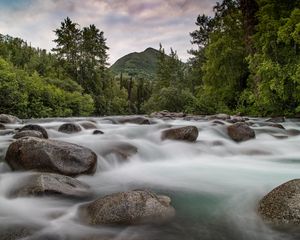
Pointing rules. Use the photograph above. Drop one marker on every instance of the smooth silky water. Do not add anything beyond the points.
(215, 184)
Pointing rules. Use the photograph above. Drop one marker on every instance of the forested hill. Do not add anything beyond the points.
(141, 64)
(245, 59)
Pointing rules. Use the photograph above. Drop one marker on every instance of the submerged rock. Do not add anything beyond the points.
(220, 116)
(2, 126)
(240, 132)
(49, 184)
(188, 133)
(7, 132)
(282, 205)
(128, 208)
(6, 118)
(28, 133)
(35, 127)
(130, 119)
(276, 119)
(88, 125)
(50, 156)
(69, 128)
(123, 151)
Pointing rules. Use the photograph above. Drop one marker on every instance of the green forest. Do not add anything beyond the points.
(245, 59)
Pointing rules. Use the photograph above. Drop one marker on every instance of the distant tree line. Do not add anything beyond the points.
(246, 59)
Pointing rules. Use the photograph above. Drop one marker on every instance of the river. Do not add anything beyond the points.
(215, 183)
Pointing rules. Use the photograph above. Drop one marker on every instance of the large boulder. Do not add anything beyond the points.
(282, 205)
(5, 118)
(51, 184)
(69, 128)
(129, 208)
(28, 133)
(34, 127)
(50, 156)
(240, 132)
(188, 133)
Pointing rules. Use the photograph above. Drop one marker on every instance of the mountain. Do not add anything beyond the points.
(141, 64)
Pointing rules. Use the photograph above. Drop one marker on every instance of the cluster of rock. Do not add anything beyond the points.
(56, 164)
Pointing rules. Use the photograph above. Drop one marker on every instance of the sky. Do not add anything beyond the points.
(128, 25)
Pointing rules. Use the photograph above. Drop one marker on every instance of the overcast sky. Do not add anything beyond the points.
(128, 25)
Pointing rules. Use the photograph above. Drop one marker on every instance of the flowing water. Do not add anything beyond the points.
(215, 184)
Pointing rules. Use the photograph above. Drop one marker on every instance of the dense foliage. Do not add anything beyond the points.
(32, 84)
(248, 57)
(246, 60)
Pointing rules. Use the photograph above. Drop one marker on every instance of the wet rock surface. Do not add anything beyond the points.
(50, 156)
(88, 125)
(35, 127)
(127, 208)
(6, 118)
(282, 205)
(51, 184)
(123, 151)
(240, 132)
(70, 128)
(188, 133)
(28, 133)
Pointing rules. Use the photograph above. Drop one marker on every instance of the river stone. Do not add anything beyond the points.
(240, 132)
(128, 208)
(97, 132)
(69, 128)
(35, 127)
(276, 119)
(50, 156)
(16, 231)
(220, 116)
(2, 126)
(122, 150)
(282, 205)
(28, 133)
(88, 125)
(5, 118)
(49, 184)
(188, 133)
(135, 120)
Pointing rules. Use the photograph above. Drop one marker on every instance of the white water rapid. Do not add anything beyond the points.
(215, 183)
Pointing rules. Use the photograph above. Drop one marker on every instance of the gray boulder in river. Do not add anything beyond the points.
(282, 205)
(35, 127)
(5, 118)
(69, 128)
(127, 208)
(50, 156)
(240, 132)
(188, 133)
(49, 184)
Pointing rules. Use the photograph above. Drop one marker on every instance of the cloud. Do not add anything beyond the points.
(128, 25)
